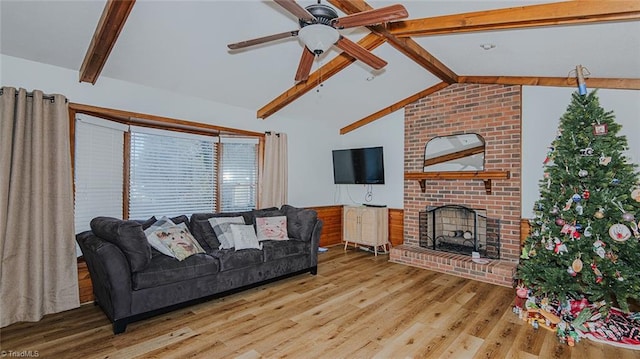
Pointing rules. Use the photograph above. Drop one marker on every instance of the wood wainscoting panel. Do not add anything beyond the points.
(396, 226)
(85, 287)
(332, 228)
(525, 227)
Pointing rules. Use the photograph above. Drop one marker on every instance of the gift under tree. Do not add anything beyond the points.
(584, 241)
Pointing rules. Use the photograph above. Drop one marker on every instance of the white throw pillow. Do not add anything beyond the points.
(244, 236)
(223, 233)
(272, 228)
(153, 239)
(179, 241)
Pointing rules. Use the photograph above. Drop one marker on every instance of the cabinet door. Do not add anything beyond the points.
(369, 222)
(351, 225)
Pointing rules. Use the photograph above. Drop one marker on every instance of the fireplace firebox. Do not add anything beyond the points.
(459, 229)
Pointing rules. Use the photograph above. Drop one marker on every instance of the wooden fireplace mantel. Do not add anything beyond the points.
(486, 176)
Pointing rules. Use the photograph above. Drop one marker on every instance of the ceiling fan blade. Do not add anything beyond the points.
(262, 40)
(304, 68)
(297, 10)
(360, 53)
(372, 17)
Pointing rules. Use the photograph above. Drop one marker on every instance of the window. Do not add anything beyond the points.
(171, 173)
(98, 170)
(164, 172)
(239, 175)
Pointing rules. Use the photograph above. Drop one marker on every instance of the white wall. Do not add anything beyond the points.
(310, 142)
(542, 108)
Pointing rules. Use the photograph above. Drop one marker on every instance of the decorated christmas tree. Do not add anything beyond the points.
(584, 244)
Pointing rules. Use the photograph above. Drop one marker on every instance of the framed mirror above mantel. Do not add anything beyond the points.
(456, 157)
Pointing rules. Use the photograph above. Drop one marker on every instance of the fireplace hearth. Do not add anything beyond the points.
(459, 229)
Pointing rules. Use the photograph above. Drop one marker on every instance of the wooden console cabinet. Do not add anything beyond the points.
(367, 226)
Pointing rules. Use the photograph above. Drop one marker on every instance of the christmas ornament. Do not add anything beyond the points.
(555, 209)
(579, 209)
(583, 173)
(604, 160)
(612, 257)
(578, 227)
(586, 194)
(575, 235)
(619, 276)
(567, 205)
(597, 272)
(598, 248)
(599, 213)
(559, 247)
(560, 221)
(525, 253)
(522, 292)
(628, 217)
(586, 151)
(619, 232)
(577, 265)
(571, 272)
(576, 198)
(615, 181)
(587, 231)
(600, 129)
(635, 194)
(634, 229)
(532, 252)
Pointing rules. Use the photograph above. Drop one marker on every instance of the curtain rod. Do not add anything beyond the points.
(52, 98)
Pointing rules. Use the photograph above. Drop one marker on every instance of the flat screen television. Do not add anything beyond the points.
(358, 166)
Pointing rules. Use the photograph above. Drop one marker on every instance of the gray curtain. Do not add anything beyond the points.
(38, 270)
(275, 177)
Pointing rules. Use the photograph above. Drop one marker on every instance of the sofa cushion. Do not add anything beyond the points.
(244, 236)
(232, 259)
(264, 212)
(179, 241)
(300, 222)
(281, 249)
(128, 236)
(165, 270)
(273, 228)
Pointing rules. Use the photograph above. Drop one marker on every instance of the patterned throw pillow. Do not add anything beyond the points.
(223, 232)
(244, 237)
(273, 228)
(179, 241)
(153, 239)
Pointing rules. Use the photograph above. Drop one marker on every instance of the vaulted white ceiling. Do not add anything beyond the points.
(181, 46)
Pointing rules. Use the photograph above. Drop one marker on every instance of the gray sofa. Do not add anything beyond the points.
(133, 281)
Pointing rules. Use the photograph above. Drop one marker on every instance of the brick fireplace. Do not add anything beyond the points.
(493, 112)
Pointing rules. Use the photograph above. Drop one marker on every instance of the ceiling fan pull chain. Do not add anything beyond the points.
(320, 84)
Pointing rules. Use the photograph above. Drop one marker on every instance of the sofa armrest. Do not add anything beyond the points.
(315, 242)
(110, 274)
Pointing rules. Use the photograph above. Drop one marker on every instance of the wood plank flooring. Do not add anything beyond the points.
(358, 306)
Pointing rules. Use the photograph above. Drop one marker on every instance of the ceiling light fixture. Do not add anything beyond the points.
(487, 46)
(318, 38)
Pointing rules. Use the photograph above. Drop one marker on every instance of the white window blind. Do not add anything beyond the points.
(239, 172)
(171, 173)
(98, 170)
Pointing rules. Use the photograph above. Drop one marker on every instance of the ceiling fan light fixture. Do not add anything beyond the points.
(318, 38)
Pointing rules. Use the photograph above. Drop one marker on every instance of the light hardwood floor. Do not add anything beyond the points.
(358, 306)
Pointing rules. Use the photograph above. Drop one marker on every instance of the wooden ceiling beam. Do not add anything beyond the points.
(395, 107)
(561, 13)
(609, 83)
(111, 22)
(407, 46)
(369, 42)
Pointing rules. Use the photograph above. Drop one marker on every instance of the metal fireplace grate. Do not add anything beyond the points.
(459, 229)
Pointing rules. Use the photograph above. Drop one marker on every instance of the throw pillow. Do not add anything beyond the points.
(274, 228)
(223, 232)
(179, 240)
(244, 236)
(153, 239)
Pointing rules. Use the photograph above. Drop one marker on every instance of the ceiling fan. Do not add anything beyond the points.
(319, 25)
